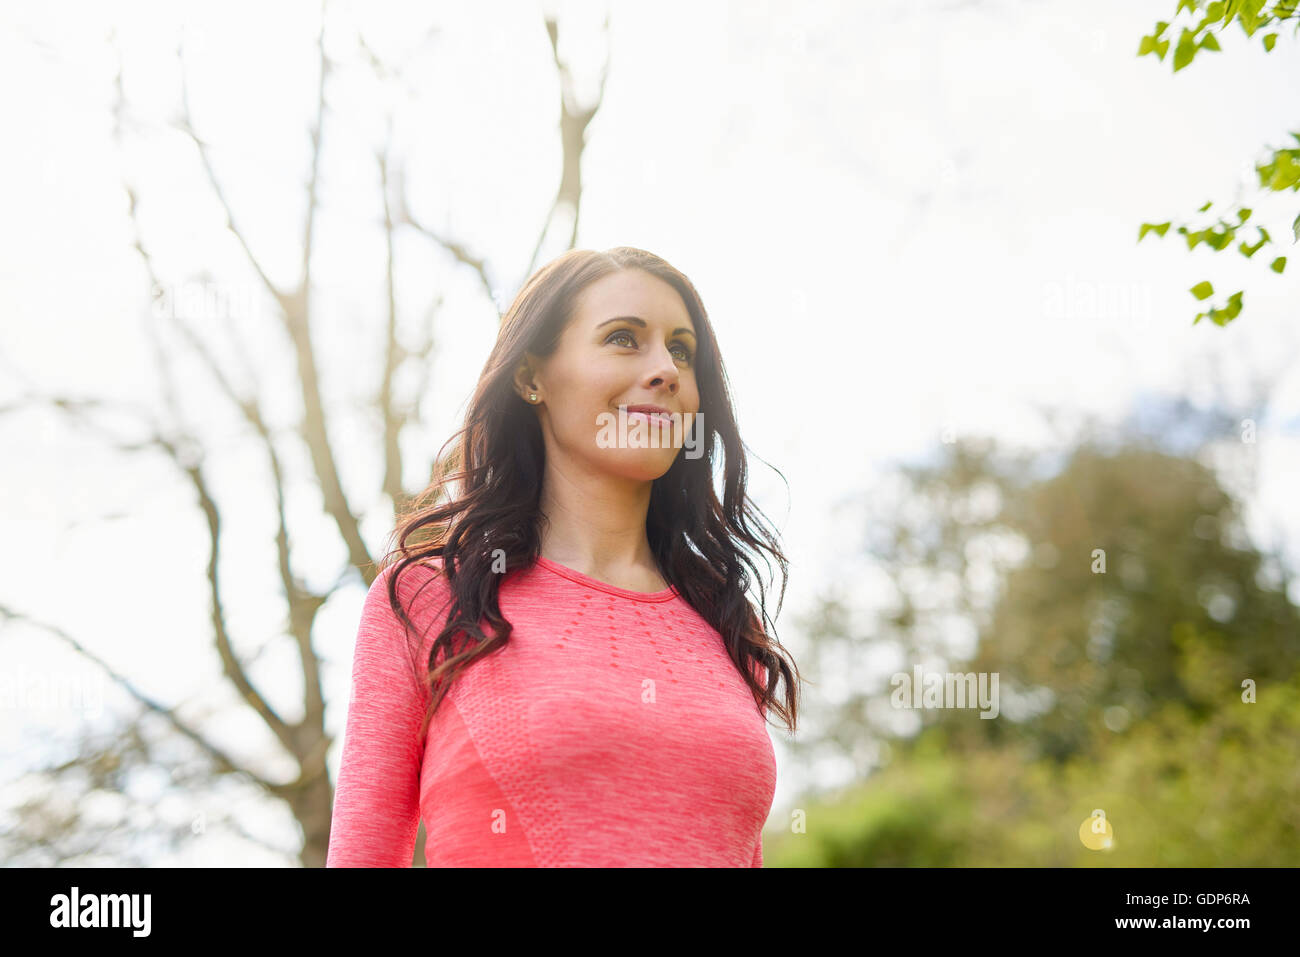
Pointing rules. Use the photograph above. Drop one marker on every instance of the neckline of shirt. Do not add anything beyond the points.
(587, 581)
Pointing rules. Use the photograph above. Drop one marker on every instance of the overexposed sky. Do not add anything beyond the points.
(903, 218)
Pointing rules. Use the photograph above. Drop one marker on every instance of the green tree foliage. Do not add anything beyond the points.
(1136, 670)
(1129, 551)
(925, 532)
(1180, 790)
(1280, 172)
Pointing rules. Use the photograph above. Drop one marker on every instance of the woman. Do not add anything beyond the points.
(612, 711)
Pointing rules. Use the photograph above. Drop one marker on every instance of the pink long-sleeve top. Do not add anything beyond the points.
(613, 730)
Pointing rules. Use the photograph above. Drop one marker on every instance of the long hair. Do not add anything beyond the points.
(496, 464)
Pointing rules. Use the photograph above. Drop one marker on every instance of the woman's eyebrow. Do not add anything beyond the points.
(637, 320)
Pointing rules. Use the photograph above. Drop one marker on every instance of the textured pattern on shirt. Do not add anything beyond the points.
(612, 730)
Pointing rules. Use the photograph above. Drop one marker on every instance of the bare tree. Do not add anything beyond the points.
(45, 835)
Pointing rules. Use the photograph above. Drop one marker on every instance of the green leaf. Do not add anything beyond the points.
(1269, 41)
(1278, 264)
(1249, 15)
(1295, 228)
(1209, 43)
(1162, 48)
(1158, 228)
(1286, 170)
(1207, 205)
(1161, 26)
(1215, 10)
(1248, 250)
(1243, 214)
(1185, 50)
(1203, 290)
(1221, 317)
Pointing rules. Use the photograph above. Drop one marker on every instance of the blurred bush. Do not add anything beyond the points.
(1180, 788)
(1120, 601)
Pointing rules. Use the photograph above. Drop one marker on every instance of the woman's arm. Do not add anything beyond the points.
(376, 814)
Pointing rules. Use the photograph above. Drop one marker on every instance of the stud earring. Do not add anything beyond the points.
(532, 397)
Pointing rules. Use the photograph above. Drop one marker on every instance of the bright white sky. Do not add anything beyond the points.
(902, 218)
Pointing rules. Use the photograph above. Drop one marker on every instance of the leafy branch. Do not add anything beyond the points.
(1280, 172)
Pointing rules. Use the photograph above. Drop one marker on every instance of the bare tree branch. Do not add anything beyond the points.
(185, 454)
(295, 309)
(303, 605)
(394, 420)
(186, 125)
(223, 761)
(459, 251)
(573, 135)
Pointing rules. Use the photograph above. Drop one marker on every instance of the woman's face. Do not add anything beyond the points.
(630, 342)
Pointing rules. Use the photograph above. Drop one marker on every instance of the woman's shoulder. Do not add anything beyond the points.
(423, 597)
(418, 580)
(428, 566)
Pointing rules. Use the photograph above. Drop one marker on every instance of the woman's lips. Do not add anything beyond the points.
(660, 418)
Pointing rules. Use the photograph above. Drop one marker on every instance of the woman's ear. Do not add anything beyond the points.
(525, 383)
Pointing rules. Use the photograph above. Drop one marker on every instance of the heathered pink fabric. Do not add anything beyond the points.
(612, 731)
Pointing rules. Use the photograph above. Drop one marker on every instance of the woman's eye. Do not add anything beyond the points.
(624, 334)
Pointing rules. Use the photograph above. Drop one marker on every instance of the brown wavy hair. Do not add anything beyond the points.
(496, 462)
